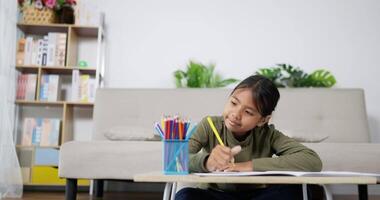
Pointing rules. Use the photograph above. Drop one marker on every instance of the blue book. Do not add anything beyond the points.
(37, 131)
(46, 156)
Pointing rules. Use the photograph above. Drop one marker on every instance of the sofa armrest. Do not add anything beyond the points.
(109, 159)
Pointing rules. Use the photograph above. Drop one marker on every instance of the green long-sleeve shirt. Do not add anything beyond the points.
(259, 146)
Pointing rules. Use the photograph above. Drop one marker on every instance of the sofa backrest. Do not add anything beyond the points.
(337, 113)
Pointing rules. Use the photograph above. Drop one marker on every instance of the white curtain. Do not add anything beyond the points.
(10, 174)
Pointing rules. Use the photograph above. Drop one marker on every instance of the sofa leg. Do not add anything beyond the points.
(363, 192)
(98, 187)
(71, 189)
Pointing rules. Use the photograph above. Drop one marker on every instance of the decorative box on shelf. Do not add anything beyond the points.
(33, 15)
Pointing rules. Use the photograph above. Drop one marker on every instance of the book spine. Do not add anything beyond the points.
(60, 51)
(23, 86)
(31, 87)
(44, 87)
(51, 49)
(84, 87)
(75, 86)
(91, 89)
(20, 55)
(45, 133)
(37, 131)
(44, 50)
(54, 135)
(34, 54)
(27, 131)
(18, 92)
(28, 50)
(39, 51)
(53, 88)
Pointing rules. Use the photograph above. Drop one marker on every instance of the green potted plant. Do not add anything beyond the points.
(199, 75)
(285, 75)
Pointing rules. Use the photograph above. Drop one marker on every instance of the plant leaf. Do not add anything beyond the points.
(274, 74)
(226, 82)
(322, 78)
(199, 75)
(179, 76)
(285, 75)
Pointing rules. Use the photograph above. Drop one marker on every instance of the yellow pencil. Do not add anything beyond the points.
(215, 131)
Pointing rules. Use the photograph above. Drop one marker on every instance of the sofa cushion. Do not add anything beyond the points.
(131, 133)
(301, 136)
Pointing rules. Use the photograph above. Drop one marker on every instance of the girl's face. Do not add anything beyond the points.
(240, 113)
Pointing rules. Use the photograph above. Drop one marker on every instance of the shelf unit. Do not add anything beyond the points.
(82, 43)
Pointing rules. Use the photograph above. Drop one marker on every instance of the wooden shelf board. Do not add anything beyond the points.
(55, 166)
(89, 31)
(40, 103)
(80, 104)
(42, 29)
(56, 69)
(27, 69)
(35, 146)
(55, 103)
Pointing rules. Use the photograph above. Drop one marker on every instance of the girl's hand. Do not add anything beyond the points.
(240, 167)
(219, 158)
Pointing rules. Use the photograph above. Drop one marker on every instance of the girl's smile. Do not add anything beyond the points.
(240, 113)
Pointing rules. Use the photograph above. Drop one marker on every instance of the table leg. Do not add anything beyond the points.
(304, 191)
(363, 192)
(71, 189)
(174, 190)
(327, 191)
(167, 189)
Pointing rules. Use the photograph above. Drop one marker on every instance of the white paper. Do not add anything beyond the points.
(289, 173)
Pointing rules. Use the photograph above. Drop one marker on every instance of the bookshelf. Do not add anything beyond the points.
(39, 163)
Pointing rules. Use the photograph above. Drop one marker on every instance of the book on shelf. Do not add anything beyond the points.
(27, 131)
(60, 49)
(26, 87)
(28, 50)
(45, 42)
(75, 86)
(83, 87)
(50, 132)
(56, 49)
(47, 50)
(40, 132)
(84, 79)
(20, 51)
(37, 131)
(291, 173)
(50, 87)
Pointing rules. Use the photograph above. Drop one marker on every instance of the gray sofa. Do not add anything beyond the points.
(333, 122)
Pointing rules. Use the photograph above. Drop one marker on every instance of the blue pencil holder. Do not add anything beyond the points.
(176, 157)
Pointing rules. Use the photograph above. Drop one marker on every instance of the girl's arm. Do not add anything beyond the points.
(292, 156)
(199, 140)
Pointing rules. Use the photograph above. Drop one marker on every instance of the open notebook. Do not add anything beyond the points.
(290, 173)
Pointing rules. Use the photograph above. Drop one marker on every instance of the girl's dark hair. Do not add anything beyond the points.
(265, 94)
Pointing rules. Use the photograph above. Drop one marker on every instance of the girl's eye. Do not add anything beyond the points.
(233, 103)
(249, 112)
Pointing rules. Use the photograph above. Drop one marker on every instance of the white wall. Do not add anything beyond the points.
(149, 39)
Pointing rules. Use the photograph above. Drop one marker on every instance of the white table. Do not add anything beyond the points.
(171, 180)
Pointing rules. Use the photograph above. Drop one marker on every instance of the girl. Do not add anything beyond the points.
(244, 123)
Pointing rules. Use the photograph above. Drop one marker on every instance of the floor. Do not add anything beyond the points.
(128, 195)
(86, 196)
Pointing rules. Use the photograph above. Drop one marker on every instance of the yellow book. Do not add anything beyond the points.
(48, 175)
